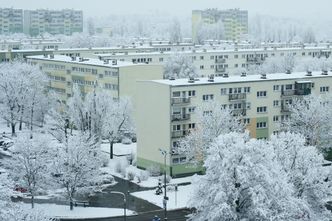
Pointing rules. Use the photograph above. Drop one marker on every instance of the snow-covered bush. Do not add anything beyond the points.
(154, 169)
(130, 175)
(144, 175)
(120, 167)
(104, 159)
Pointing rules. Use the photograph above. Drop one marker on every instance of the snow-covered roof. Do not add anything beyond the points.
(86, 61)
(216, 51)
(302, 76)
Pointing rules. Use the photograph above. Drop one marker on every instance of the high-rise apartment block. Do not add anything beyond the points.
(235, 22)
(66, 21)
(11, 21)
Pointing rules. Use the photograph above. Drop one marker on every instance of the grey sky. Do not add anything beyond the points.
(319, 9)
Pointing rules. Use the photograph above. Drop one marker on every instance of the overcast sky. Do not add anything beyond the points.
(285, 8)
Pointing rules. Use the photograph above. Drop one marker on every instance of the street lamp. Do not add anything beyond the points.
(164, 153)
(124, 203)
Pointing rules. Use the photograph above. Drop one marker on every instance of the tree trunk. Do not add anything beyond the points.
(32, 201)
(21, 119)
(111, 149)
(71, 203)
(13, 129)
(31, 126)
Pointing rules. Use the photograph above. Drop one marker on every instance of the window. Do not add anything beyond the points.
(192, 93)
(175, 160)
(161, 59)
(248, 105)
(261, 109)
(176, 127)
(275, 118)
(207, 97)
(191, 109)
(194, 57)
(176, 94)
(201, 67)
(243, 65)
(236, 56)
(246, 120)
(237, 90)
(236, 65)
(324, 89)
(288, 86)
(237, 106)
(276, 87)
(261, 125)
(212, 66)
(261, 93)
(201, 57)
(191, 126)
(276, 103)
(246, 90)
(284, 117)
(225, 56)
(212, 57)
(223, 91)
(276, 132)
(303, 53)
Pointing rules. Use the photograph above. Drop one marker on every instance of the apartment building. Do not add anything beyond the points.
(11, 21)
(223, 61)
(169, 113)
(117, 78)
(234, 21)
(66, 21)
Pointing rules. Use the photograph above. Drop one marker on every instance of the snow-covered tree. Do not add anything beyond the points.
(119, 121)
(19, 91)
(175, 32)
(311, 116)
(244, 181)
(302, 164)
(13, 211)
(76, 163)
(28, 165)
(179, 65)
(213, 120)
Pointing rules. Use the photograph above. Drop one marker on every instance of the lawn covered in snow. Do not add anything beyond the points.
(63, 211)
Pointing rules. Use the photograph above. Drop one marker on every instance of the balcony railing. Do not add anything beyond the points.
(179, 117)
(288, 92)
(237, 112)
(220, 70)
(284, 108)
(234, 97)
(179, 133)
(180, 100)
(301, 92)
(220, 60)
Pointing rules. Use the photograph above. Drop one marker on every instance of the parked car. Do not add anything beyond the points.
(20, 189)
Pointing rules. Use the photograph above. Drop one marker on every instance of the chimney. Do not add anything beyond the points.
(309, 73)
(171, 78)
(191, 80)
(114, 62)
(288, 71)
(243, 74)
(263, 76)
(325, 72)
(225, 75)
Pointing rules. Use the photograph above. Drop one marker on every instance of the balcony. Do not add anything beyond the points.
(180, 117)
(220, 60)
(179, 133)
(239, 112)
(287, 92)
(236, 97)
(220, 70)
(255, 60)
(284, 108)
(302, 92)
(180, 100)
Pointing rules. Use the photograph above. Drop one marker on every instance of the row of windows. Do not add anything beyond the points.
(278, 118)
(83, 82)
(112, 73)
(84, 70)
(56, 78)
(177, 127)
(111, 86)
(54, 66)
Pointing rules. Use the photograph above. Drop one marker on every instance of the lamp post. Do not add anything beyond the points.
(124, 203)
(164, 153)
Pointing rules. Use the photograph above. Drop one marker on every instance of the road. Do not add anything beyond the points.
(174, 215)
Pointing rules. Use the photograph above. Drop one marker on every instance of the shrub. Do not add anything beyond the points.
(144, 175)
(154, 170)
(130, 175)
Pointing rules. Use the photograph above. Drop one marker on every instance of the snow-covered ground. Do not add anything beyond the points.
(120, 149)
(176, 200)
(63, 211)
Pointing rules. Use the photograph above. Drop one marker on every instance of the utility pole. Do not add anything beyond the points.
(164, 153)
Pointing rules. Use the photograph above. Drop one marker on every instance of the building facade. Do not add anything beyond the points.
(11, 21)
(169, 115)
(66, 21)
(117, 78)
(234, 22)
